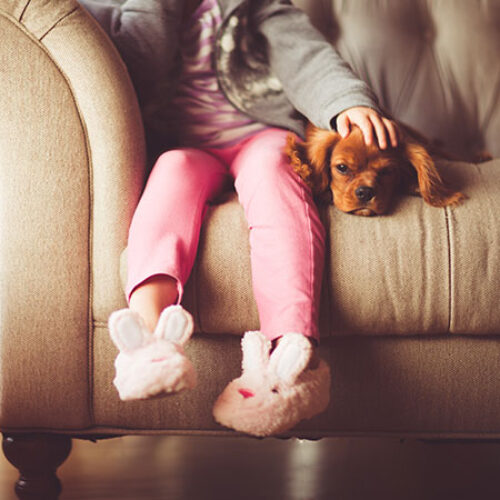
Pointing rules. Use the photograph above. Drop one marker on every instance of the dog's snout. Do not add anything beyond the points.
(364, 193)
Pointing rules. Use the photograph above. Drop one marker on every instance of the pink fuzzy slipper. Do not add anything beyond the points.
(152, 364)
(275, 391)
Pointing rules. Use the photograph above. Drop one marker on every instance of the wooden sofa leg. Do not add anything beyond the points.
(37, 457)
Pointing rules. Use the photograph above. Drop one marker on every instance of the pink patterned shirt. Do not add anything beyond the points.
(204, 117)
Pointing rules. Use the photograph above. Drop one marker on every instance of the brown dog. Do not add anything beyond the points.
(364, 180)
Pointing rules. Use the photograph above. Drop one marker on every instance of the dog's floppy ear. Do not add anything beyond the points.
(311, 159)
(319, 147)
(428, 182)
(295, 149)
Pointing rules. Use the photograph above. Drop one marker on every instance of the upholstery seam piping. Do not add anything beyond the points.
(327, 271)
(24, 11)
(68, 14)
(447, 213)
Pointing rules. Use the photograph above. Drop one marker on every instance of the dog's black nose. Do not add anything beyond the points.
(365, 193)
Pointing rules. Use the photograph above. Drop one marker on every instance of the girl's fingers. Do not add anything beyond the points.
(380, 130)
(391, 128)
(372, 125)
(343, 126)
(367, 128)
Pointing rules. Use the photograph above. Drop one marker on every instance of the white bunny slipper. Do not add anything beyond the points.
(152, 364)
(275, 391)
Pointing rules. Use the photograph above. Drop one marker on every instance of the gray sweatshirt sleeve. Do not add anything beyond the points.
(145, 33)
(317, 81)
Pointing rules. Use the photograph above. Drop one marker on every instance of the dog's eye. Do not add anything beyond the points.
(342, 168)
(385, 172)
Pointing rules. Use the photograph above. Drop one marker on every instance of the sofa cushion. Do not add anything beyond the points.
(415, 387)
(420, 270)
(417, 271)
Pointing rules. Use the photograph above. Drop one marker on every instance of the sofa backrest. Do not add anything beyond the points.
(434, 64)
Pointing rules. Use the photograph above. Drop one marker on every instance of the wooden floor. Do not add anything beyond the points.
(193, 468)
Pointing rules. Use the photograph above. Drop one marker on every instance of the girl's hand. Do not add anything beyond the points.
(369, 121)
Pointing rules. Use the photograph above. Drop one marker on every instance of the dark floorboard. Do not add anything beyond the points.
(194, 468)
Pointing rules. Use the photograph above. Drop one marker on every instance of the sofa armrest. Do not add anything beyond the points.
(111, 118)
(72, 161)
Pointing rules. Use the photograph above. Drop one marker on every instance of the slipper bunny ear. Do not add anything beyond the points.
(255, 347)
(290, 357)
(127, 330)
(175, 325)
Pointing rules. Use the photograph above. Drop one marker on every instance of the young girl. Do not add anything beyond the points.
(221, 83)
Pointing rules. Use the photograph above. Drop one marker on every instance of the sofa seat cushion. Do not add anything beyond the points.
(391, 386)
(418, 271)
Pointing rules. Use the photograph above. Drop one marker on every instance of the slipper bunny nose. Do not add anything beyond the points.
(246, 393)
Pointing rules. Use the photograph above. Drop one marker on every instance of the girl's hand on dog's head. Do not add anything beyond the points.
(371, 124)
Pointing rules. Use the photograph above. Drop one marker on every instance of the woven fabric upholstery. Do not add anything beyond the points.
(419, 271)
(409, 313)
(71, 170)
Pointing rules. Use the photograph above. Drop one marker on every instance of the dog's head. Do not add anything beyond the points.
(365, 180)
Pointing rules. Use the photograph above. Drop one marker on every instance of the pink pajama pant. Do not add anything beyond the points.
(286, 234)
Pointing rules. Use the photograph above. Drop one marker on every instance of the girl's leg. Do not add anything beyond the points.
(286, 237)
(165, 229)
(152, 296)
(287, 249)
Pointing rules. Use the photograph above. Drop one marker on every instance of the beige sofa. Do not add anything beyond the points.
(410, 310)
